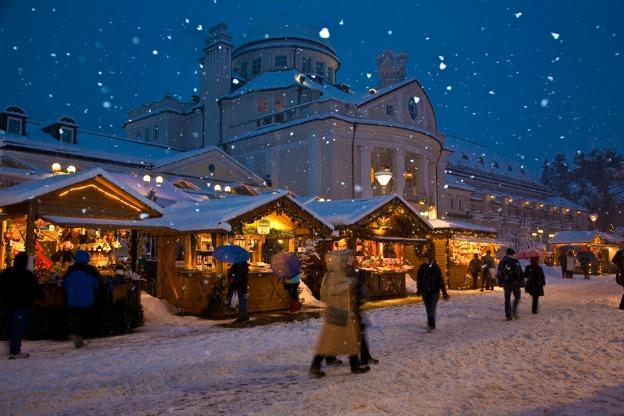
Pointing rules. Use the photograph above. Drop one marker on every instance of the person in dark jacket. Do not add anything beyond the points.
(510, 277)
(238, 276)
(474, 267)
(487, 264)
(429, 285)
(18, 290)
(535, 281)
(618, 260)
(563, 258)
(82, 286)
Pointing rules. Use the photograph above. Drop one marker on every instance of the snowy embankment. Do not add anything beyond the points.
(568, 359)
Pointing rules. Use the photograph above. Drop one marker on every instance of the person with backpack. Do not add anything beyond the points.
(473, 268)
(618, 260)
(510, 277)
(535, 281)
(18, 290)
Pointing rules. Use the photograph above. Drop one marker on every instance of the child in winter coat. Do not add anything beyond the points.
(536, 280)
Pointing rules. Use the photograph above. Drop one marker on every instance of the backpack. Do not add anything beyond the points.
(507, 273)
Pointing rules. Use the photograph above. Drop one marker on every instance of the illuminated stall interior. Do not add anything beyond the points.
(601, 244)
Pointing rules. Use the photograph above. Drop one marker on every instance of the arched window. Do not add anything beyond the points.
(411, 107)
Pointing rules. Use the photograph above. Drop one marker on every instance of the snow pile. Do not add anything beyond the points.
(307, 296)
(158, 311)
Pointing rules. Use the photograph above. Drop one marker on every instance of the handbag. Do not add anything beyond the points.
(234, 300)
(336, 316)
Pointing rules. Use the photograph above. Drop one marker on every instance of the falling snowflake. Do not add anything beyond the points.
(136, 40)
(550, 78)
(324, 33)
(518, 14)
(544, 102)
(14, 48)
(554, 35)
(187, 20)
(341, 22)
(368, 75)
(441, 57)
(389, 32)
(491, 92)
(154, 52)
(106, 104)
(449, 87)
(442, 66)
(200, 28)
(416, 99)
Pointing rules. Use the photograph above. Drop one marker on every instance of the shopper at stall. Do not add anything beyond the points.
(238, 278)
(18, 290)
(535, 281)
(474, 267)
(510, 276)
(570, 265)
(487, 264)
(563, 261)
(340, 333)
(429, 285)
(82, 286)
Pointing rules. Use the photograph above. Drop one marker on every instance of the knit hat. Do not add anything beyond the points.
(81, 257)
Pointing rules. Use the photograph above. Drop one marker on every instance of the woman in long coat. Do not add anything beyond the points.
(536, 280)
(340, 333)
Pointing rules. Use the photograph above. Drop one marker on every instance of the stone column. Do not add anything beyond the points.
(423, 171)
(399, 169)
(365, 167)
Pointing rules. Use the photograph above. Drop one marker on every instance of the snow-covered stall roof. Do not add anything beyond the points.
(572, 237)
(215, 214)
(439, 224)
(345, 212)
(167, 194)
(34, 189)
(99, 223)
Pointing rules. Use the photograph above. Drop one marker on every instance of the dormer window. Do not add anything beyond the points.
(280, 61)
(306, 65)
(320, 69)
(66, 134)
(412, 109)
(14, 125)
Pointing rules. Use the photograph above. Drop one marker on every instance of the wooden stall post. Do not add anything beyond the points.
(3, 247)
(30, 235)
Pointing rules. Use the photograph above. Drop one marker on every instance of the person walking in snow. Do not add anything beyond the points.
(340, 333)
(487, 264)
(82, 284)
(563, 259)
(474, 267)
(429, 284)
(18, 290)
(238, 279)
(535, 281)
(509, 275)
(570, 265)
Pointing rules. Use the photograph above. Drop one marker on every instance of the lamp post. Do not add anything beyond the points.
(383, 176)
(151, 193)
(593, 218)
(541, 233)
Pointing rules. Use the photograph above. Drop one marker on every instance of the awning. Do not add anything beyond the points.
(396, 239)
(480, 240)
(99, 223)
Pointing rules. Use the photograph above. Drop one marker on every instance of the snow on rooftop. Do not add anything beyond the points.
(571, 237)
(459, 225)
(347, 211)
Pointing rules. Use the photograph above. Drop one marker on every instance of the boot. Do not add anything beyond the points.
(295, 306)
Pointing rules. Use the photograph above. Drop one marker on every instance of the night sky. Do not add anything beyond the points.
(530, 78)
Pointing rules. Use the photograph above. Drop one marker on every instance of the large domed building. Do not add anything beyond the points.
(277, 106)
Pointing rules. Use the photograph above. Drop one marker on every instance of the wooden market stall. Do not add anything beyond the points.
(388, 235)
(188, 275)
(454, 244)
(601, 244)
(53, 217)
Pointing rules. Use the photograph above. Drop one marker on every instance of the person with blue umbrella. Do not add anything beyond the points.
(238, 275)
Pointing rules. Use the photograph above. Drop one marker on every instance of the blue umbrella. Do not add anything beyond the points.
(231, 254)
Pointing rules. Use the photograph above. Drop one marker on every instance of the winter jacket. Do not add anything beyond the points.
(536, 280)
(509, 272)
(563, 258)
(488, 261)
(338, 291)
(429, 281)
(570, 263)
(18, 288)
(82, 284)
(618, 260)
(238, 276)
(474, 266)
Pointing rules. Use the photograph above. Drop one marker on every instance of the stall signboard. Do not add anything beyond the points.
(264, 227)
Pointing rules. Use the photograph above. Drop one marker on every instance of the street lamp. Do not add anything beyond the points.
(151, 193)
(383, 176)
(71, 169)
(593, 218)
(540, 232)
(56, 168)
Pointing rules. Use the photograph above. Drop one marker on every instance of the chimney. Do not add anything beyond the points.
(391, 67)
(13, 120)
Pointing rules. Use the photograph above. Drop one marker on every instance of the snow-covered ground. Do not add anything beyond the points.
(567, 360)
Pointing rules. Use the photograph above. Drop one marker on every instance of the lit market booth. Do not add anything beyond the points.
(602, 245)
(455, 243)
(188, 275)
(387, 234)
(53, 217)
